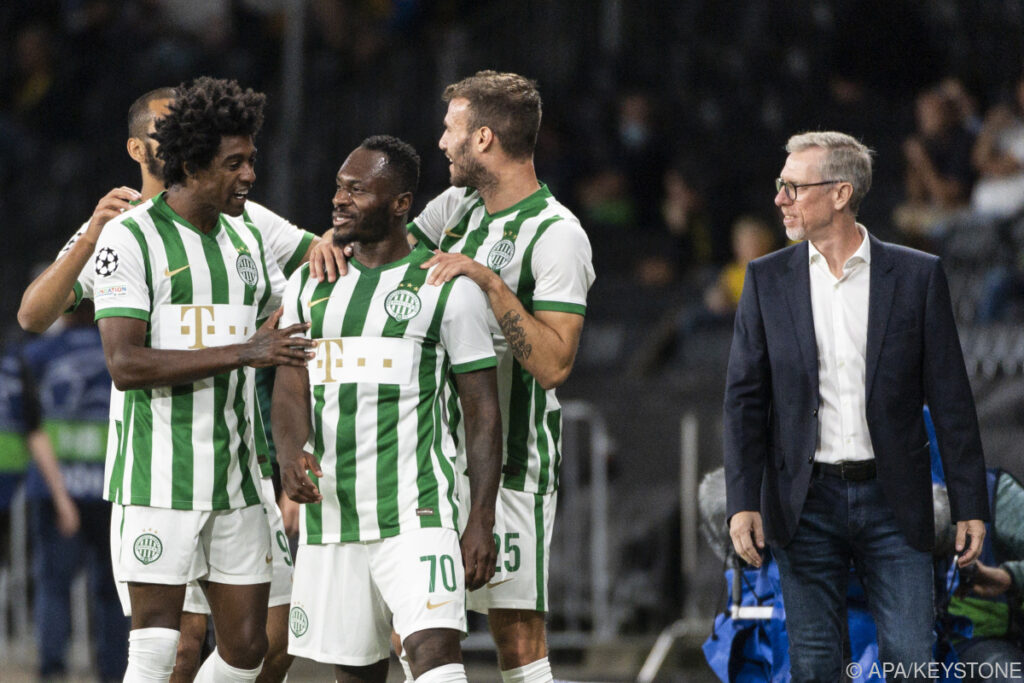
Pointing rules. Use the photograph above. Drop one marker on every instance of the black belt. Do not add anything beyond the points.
(851, 470)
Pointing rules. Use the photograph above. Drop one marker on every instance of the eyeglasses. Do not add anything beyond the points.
(791, 188)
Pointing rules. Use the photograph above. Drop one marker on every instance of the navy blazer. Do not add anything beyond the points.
(913, 358)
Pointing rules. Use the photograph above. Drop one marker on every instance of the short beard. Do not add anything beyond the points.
(471, 173)
(374, 226)
(340, 241)
(154, 166)
(795, 234)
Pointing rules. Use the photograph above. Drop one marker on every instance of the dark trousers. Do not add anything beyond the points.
(844, 522)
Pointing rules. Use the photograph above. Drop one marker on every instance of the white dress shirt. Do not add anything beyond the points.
(840, 311)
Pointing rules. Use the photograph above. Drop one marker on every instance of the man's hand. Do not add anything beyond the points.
(479, 553)
(328, 260)
(68, 520)
(113, 204)
(290, 511)
(271, 346)
(452, 265)
(975, 528)
(294, 480)
(747, 532)
(986, 582)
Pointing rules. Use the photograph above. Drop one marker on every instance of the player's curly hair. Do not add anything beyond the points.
(507, 103)
(403, 162)
(204, 110)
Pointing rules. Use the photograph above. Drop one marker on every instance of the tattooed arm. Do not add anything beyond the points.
(544, 343)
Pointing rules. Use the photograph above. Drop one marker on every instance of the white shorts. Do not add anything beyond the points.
(173, 547)
(522, 533)
(195, 598)
(348, 596)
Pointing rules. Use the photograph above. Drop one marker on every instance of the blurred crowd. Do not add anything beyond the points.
(664, 121)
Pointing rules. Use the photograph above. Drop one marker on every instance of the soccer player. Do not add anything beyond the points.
(70, 279)
(379, 531)
(503, 229)
(67, 280)
(181, 281)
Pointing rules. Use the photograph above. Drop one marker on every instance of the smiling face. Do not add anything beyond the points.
(225, 183)
(465, 169)
(813, 209)
(364, 201)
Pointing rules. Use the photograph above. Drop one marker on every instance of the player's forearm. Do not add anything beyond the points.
(289, 412)
(546, 355)
(52, 292)
(139, 367)
(478, 394)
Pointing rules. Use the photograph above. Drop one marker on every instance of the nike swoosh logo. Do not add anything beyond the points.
(495, 584)
(169, 273)
(318, 301)
(449, 233)
(435, 605)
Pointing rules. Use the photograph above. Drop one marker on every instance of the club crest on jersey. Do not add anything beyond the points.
(106, 261)
(298, 622)
(148, 548)
(501, 254)
(403, 303)
(247, 269)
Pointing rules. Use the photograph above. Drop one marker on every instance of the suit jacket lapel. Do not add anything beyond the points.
(881, 286)
(798, 296)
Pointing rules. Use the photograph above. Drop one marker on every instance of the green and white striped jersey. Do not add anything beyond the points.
(540, 250)
(387, 343)
(285, 243)
(186, 447)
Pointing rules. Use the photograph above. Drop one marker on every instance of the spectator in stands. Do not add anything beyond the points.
(999, 158)
(683, 246)
(1002, 293)
(963, 102)
(684, 213)
(937, 158)
(640, 153)
(37, 84)
(70, 520)
(752, 238)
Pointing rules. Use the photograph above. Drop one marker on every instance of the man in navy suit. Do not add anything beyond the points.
(839, 342)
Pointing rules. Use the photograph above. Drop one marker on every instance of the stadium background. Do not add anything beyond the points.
(634, 92)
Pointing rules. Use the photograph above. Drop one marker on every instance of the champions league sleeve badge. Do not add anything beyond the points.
(106, 261)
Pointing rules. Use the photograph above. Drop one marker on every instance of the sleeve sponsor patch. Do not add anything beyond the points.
(111, 291)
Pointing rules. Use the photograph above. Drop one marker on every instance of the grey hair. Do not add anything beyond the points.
(846, 158)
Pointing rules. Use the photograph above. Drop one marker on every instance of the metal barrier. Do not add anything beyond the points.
(579, 582)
